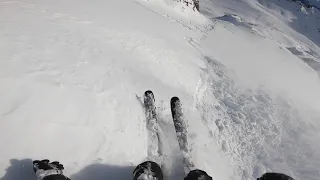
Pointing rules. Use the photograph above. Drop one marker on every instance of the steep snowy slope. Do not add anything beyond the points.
(72, 74)
(69, 78)
(291, 24)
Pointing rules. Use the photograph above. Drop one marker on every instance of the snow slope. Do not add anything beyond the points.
(73, 73)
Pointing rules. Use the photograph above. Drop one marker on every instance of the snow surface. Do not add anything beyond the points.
(72, 75)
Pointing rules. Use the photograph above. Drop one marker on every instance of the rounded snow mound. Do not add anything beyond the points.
(231, 18)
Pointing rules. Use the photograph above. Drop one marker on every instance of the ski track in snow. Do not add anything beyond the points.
(257, 132)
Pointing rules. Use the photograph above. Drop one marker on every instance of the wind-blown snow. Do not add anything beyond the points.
(72, 74)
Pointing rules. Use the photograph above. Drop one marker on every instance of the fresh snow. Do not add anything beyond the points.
(73, 74)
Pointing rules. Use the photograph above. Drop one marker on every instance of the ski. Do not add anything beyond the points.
(182, 133)
(150, 169)
(154, 149)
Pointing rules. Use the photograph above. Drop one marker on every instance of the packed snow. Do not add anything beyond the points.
(73, 74)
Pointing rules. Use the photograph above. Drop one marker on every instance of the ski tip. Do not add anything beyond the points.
(174, 103)
(148, 92)
(174, 100)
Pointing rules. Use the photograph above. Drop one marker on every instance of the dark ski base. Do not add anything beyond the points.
(179, 123)
(148, 170)
(154, 143)
(149, 104)
(182, 134)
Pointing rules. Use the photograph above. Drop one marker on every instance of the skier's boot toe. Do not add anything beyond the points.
(148, 171)
(197, 175)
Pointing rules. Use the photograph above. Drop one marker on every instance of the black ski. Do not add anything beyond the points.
(150, 170)
(180, 126)
(154, 145)
(148, 100)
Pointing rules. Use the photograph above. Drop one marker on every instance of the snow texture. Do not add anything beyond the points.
(246, 72)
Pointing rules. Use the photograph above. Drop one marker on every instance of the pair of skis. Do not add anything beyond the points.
(148, 170)
(179, 125)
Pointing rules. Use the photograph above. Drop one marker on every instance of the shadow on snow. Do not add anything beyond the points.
(22, 170)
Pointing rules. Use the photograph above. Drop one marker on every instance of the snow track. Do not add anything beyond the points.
(253, 128)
